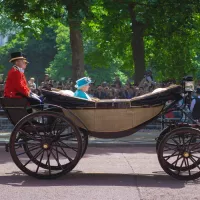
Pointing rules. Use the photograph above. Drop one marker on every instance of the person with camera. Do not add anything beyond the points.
(195, 106)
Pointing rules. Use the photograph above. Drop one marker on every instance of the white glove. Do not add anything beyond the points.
(35, 96)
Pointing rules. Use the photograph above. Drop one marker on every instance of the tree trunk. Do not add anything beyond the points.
(137, 45)
(76, 47)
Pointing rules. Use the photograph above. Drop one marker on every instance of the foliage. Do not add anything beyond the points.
(171, 36)
(61, 65)
(7, 26)
(170, 28)
(16, 43)
(108, 37)
(2, 68)
(39, 52)
(102, 74)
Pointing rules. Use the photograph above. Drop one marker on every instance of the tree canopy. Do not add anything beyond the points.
(117, 36)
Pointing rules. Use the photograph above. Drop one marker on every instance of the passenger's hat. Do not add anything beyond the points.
(18, 56)
(82, 82)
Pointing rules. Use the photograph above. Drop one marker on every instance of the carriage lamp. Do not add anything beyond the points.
(189, 86)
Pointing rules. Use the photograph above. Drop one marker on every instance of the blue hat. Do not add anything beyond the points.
(82, 82)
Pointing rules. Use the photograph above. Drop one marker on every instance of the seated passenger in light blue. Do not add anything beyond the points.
(82, 86)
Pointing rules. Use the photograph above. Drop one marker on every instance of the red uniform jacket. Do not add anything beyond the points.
(16, 83)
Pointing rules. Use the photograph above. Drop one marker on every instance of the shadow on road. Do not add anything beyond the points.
(120, 149)
(77, 178)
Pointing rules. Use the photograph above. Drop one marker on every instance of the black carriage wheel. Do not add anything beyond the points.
(46, 150)
(179, 153)
(84, 136)
(161, 136)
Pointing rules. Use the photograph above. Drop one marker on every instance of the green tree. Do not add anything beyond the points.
(34, 15)
(125, 27)
(61, 65)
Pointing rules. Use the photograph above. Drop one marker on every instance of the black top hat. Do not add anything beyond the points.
(17, 56)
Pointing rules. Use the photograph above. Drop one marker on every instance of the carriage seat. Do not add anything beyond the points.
(15, 108)
(63, 92)
(159, 96)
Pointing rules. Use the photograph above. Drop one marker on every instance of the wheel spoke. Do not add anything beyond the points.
(26, 151)
(56, 158)
(195, 162)
(196, 157)
(54, 125)
(66, 146)
(28, 135)
(183, 139)
(170, 144)
(32, 144)
(174, 141)
(190, 140)
(172, 155)
(64, 154)
(196, 146)
(34, 157)
(33, 126)
(40, 162)
(188, 166)
(48, 160)
(179, 169)
(169, 149)
(177, 160)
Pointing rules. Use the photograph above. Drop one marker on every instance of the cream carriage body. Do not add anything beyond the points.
(114, 117)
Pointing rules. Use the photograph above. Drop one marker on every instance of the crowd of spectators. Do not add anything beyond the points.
(105, 90)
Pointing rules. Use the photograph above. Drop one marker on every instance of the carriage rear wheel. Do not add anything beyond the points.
(179, 153)
(45, 150)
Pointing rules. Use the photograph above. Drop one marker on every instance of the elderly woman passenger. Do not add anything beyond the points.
(82, 86)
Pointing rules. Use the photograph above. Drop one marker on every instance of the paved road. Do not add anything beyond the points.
(117, 173)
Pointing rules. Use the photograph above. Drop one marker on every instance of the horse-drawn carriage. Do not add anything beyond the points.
(49, 139)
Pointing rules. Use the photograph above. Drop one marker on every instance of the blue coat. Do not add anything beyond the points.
(81, 94)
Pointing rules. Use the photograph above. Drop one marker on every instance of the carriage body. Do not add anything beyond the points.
(113, 118)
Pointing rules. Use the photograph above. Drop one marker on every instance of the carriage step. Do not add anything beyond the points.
(7, 147)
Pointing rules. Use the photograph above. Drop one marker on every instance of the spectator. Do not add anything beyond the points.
(31, 84)
(130, 91)
(123, 94)
(100, 94)
(117, 82)
(108, 93)
(195, 106)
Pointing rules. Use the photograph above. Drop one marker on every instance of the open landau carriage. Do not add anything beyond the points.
(48, 140)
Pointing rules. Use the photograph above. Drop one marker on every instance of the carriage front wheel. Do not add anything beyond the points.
(45, 144)
(179, 153)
